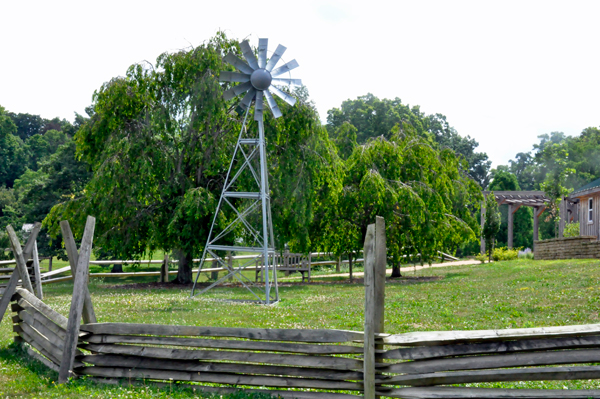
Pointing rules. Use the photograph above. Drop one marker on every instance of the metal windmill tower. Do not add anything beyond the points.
(251, 231)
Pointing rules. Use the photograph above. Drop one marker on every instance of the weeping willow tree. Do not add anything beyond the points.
(424, 194)
(159, 142)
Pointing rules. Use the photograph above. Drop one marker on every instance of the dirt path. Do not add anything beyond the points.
(404, 269)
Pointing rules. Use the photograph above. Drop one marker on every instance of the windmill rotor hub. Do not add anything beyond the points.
(261, 79)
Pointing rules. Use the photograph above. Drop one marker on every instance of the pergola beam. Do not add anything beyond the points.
(516, 199)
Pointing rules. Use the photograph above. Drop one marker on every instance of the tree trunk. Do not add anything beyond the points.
(184, 268)
(350, 264)
(50, 264)
(396, 271)
(117, 268)
(338, 268)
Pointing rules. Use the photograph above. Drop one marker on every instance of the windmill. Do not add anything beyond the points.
(251, 230)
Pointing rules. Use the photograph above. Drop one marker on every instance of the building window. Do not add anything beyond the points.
(590, 210)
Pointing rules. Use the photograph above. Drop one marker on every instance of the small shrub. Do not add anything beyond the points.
(527, 253)
(481, 257)
(571, 230)
(503, 253)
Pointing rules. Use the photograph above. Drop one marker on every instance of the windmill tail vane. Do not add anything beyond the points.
(252, 226)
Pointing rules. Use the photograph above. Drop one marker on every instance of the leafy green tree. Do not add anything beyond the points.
(11, 151)
(426, 201)
(554, 184)
(31, 125)
(373, 117)
(159, 142)
(448, 137)
(492, 223)
(27, 125)
(40, 146)
(345, 139)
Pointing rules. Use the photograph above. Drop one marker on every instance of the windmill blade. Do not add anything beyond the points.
(234, 60)
(227, 76)
(237, 90)
(247, 100)
(258, 106)
(285, 68)
(272, 104)
(249, 54)
(263, 44)
(283, 95)
(276, 57)
(286, 81)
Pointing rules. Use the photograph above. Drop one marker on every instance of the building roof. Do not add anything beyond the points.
(587, 188)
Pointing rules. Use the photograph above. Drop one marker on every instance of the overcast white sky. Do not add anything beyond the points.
(502, 72)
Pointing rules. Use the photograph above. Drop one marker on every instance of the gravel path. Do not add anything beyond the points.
(404, 269)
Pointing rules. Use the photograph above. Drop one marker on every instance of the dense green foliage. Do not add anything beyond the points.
(373, 117)
(159, 141)
(39, 169)
(571, 230)
(426, 201)
(11, 151)
(150, 163)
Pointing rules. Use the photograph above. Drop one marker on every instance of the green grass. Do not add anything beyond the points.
(513, 294)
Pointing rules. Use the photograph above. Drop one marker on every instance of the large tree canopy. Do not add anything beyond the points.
(427, 202)
(374, 117)
(159, 141)
(12, 160)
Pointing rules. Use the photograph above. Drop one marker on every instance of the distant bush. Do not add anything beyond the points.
(503, 253)
(571, 230)
(481, 257)
(527, 253)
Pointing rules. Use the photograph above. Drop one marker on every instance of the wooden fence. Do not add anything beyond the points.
(334, 364)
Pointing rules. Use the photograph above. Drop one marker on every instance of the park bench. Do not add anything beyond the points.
(288, 263)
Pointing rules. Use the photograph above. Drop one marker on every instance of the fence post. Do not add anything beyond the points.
(375, 256)
(36, 271)
(89, 316)
(79, 291)
(14, 278)
(230, 264)
(380, 271)
(164, 270)
(21, 260)
(369, 344)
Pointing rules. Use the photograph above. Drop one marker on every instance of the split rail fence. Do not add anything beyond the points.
(331, 363)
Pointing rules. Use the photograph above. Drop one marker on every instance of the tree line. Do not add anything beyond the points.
(149, 162)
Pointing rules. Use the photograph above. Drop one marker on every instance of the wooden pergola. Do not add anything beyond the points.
(516, 199)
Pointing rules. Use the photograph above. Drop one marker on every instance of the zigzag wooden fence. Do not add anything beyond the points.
(332, 363)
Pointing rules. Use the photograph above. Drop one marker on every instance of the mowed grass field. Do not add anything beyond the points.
(514, 294)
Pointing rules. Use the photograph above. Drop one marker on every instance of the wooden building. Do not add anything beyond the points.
(587, 199)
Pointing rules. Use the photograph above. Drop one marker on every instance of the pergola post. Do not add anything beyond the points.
(536, 223)
(510, 226)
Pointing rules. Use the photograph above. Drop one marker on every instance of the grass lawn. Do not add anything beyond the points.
(513, 294)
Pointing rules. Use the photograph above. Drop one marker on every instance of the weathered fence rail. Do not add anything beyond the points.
(338, 364)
